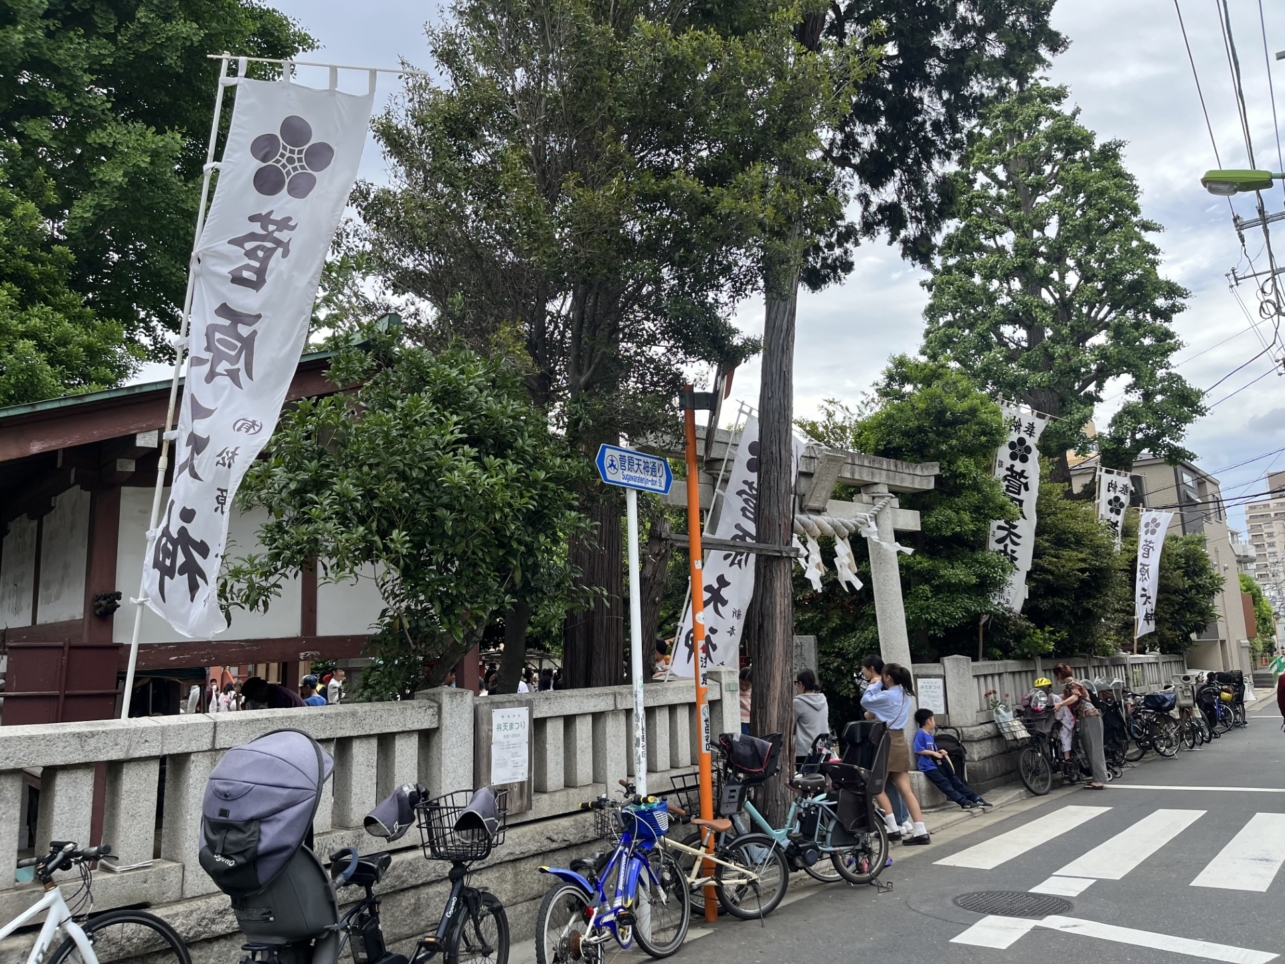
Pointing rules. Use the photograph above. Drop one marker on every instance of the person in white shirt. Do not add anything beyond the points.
(335, 688)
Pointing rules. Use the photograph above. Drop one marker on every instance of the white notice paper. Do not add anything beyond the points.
(510, 760)
(931, 691)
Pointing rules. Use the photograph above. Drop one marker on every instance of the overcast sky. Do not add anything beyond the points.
(1127, 69)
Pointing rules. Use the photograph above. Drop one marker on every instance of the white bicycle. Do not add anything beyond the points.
(111, 936)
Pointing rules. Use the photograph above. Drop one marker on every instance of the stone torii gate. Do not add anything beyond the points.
(874, 513)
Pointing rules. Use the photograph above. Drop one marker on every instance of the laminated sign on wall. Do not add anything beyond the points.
(289, 165)
(510, 757)
(729, 576)
(1017, 467)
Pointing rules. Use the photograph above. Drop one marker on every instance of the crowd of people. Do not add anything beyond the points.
(256, 693)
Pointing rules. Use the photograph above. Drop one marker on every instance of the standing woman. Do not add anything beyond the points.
(1089, 721)
(889, 702)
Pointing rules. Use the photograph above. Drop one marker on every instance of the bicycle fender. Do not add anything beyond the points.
(570, 877)
(635, 871)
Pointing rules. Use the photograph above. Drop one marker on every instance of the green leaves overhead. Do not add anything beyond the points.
(1049, 287)
(437, 478)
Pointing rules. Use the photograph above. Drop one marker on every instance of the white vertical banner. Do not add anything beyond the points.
(1151, 540)
(286, 173)
(728, 576)
(1114, 491)
(1017, 467)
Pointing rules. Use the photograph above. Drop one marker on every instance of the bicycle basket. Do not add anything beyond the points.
(1014, 731)
(1160, 702)
(464, 825)
(607, 823)
(751, 760)
(647, 822)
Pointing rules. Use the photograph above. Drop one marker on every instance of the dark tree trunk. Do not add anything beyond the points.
(655, 569)
(516, 621)
(593, 651)
(773, 705)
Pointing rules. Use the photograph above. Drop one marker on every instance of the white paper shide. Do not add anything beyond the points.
(1151, 540)
(1017, 467)
(1115, 488)
(289, 165)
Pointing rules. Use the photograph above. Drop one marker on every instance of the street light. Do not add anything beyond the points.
(1227, 183)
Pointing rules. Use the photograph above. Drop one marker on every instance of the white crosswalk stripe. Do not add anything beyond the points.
(989, 854)
(1114, 858)
(1251, 859)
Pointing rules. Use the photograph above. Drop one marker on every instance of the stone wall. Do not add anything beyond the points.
(154, 773)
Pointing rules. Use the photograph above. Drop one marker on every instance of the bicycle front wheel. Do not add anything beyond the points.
(119, 935)
(561, 925)
(1034, 771)
(481, 937)
(864, 862)
(756, 882)
(1189, 735)
(664, 907)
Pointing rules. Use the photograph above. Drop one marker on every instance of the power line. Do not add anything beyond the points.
(1270, 371)
(1233, 64)
(1262, 23)
(1199, 92)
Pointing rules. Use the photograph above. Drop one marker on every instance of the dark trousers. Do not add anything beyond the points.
(948, 782)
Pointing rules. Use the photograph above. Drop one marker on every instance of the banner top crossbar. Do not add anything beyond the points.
(318, 63)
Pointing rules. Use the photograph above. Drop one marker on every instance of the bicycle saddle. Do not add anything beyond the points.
(808, 782)
(718, 825)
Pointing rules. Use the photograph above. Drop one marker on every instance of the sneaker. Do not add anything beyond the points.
(985, 804)
(967, 805)
(921, 840)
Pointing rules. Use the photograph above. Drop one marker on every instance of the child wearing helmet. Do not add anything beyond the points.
(1061, 713)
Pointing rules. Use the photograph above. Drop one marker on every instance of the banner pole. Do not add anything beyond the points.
(636, 649)
(180, 345)
(706, 775)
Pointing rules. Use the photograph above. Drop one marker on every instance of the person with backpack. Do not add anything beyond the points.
(1078, 698)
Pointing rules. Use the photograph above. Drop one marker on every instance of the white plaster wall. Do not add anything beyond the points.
(63, 554)
(17, 567)
(348, 608)
(282, 618)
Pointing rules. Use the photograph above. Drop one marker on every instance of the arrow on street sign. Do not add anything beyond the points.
(634, 470)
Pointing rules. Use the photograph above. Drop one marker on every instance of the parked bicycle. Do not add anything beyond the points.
(259, 807)
(635, 892)
(111, 936)
(1151, 725)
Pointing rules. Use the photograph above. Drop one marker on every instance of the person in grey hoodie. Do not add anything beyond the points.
(811, 713)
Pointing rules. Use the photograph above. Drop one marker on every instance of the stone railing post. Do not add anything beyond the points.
(577, 750)
(450, 747)
(129, 811)
(356, 778)
(66, 805)
(11, 790)
(724, 701)
(961, 691)
(610, 748)
(185, 779)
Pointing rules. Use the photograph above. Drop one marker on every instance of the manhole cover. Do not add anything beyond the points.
(1008, 903)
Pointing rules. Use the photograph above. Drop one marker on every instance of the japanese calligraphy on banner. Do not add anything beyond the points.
(728, 576)
(1114, 490)
(1151, 540)
(289, 165)
(1017, 467)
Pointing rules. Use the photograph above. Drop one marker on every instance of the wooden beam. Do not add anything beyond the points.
(730, 545)
(100, 565)
(235, 652)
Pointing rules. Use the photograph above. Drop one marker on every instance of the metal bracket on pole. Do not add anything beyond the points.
(731, 545)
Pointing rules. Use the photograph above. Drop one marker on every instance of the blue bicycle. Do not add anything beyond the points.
(636, 891)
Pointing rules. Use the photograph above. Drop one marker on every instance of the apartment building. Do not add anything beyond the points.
(1266, 524)
(1196, 500)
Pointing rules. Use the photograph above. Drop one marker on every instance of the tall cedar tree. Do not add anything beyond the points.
(902, 131)
(105, 110)
(588, 188)
(1049, 286)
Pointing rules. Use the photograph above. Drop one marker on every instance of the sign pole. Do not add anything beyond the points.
(636, 647)
(698, 635)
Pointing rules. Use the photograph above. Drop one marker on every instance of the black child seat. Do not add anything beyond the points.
(861, 775)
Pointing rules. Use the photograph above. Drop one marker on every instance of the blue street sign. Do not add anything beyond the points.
(633, 470)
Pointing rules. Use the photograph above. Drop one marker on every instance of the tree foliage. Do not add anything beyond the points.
(1264, 628)
(50, 342)
(104, 115)
(920, 412)
(1049, 287)
(438, 476)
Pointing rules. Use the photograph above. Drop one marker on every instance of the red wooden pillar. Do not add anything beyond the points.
(466, 674)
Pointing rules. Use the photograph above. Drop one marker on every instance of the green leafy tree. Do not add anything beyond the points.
(920, 412)
(1049, 287)
(50, 342)
(438, 475)
(598, 179)
(104, 116)
(1264, 628)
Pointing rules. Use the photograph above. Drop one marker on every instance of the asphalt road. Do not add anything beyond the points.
(1179, 860)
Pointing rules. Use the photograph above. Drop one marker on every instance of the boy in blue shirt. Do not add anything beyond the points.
(308, 690)
(936, 766)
